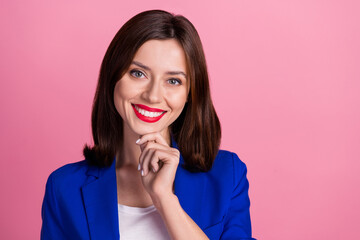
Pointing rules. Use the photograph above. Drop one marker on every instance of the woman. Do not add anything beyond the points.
(155, 170)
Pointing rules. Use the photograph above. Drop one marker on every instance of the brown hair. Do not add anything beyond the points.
(197, 130)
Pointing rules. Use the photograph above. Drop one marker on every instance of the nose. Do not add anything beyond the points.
(153, 92)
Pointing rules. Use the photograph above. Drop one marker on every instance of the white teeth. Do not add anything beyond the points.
(147, 113)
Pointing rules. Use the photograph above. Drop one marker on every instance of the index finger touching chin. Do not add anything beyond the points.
(156, 137)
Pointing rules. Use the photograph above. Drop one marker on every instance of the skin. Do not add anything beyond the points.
(157, 78)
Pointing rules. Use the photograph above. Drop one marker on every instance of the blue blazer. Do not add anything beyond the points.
(80, 200)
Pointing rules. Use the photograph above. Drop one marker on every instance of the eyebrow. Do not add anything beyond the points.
(149, 69)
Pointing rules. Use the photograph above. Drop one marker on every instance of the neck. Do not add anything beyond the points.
(129, 151)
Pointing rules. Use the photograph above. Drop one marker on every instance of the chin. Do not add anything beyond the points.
(146, 130)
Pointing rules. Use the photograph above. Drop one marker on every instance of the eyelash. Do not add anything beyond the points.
(177, 80)
(135, 71)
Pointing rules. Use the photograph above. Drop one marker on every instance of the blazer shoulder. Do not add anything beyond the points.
(71, 169)
(71, 174)
(230, 164)
(230, 158)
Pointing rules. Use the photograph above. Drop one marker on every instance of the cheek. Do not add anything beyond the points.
(120, 96)
(118, 102)
(178, 101)
(123, 91)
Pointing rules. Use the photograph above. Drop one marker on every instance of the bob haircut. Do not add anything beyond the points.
(197, 130)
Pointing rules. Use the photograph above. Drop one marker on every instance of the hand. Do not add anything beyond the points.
(158, 163)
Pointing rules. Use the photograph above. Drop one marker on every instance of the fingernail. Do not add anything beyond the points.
(142, 172)
(153, 169)
(139, 167)
(137, 141)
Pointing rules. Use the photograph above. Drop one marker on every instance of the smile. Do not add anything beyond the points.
(148, 114)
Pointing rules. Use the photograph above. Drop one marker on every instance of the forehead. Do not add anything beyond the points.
(162, 55)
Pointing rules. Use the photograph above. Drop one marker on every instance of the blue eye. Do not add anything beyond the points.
(174, 81)
(137, 73)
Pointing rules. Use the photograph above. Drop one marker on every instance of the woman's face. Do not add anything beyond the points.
(153, 91)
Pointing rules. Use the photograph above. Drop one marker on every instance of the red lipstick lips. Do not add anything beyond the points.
(149, 109)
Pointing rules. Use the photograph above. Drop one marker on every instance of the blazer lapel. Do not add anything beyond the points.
(100, 200)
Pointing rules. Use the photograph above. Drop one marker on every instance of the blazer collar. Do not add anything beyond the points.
(100, 200)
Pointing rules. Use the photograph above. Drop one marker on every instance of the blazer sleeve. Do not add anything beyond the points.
(51, 220)
(237, 224)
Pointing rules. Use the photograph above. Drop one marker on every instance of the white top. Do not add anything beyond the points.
(141, 223)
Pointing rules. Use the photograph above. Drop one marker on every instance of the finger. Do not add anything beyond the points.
(155, 164)
(142, 157)
(154, 158)
(166, 157)
(142, 146)
(168, 161)
(156, 137)
(154, 145)
(147, 157)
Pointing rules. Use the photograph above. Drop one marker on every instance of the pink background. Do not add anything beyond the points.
(285, 82)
